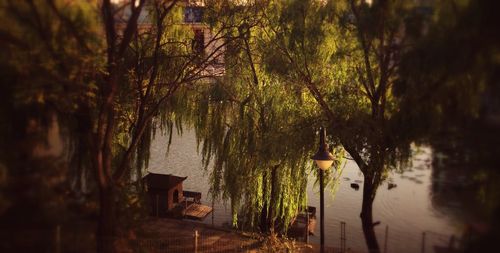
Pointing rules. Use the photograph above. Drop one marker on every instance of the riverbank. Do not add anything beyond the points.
(170, 235)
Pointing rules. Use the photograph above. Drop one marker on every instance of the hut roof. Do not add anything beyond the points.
(161, 181)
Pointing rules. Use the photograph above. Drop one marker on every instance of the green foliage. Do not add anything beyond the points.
(46, 73)
(320, 47)
(58, 43)
(246, 140)
(443, 87)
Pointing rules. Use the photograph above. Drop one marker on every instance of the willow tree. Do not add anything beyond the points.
(256, 139)
(256, 143)
(345, 55)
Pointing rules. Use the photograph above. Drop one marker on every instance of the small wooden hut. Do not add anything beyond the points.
(164, 192)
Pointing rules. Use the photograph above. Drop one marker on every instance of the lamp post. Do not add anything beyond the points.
(324, 160)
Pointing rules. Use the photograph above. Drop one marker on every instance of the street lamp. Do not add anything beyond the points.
(324, 160)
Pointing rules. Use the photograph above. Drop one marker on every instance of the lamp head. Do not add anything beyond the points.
(323, 158)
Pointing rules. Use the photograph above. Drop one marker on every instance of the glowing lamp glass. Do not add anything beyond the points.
(324, 164)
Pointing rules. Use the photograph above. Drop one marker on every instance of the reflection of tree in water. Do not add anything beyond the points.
(451, 194)
(464, 188)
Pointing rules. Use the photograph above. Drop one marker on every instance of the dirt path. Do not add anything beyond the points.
(172, 235)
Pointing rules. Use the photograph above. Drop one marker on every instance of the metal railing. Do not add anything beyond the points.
(430, 242)
(450, 243)
(199, 242)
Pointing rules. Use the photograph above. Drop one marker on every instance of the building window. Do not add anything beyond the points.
(193, 14)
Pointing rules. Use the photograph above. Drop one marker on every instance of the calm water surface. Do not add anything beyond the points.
(406, 210)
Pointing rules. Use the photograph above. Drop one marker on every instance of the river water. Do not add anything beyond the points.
(405, 212)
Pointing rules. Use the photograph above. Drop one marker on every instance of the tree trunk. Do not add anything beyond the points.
(367, 215)
(106, 226)
(272, 202)
(263, 215)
